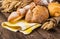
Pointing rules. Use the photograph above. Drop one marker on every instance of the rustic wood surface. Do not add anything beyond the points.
(36, 34)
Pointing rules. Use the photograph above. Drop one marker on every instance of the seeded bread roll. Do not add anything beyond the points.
(37, 15)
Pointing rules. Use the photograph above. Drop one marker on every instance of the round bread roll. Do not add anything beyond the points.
(54, 9)
(37, 15)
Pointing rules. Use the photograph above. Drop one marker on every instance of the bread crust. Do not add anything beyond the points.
(38, 15)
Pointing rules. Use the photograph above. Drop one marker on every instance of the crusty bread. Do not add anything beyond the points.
(37, 15)
(20, 13)
(54, 9)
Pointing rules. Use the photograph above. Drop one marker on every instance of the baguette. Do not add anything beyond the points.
(20, 13)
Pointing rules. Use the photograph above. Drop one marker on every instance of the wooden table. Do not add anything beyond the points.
(36, 34)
